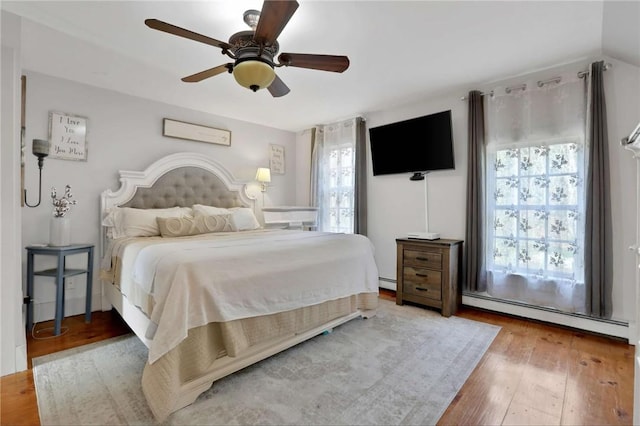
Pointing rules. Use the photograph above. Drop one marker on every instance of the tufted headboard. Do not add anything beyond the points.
(184, 187)
(181, 179)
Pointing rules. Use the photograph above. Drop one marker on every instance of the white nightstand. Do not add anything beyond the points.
(290, 217)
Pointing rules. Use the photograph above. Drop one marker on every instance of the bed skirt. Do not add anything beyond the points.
(215, 350)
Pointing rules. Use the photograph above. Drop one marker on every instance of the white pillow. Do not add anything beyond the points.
(243, 219)
(130, 222)
(202, 210)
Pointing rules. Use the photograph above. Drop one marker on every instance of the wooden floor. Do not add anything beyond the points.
(533, 373)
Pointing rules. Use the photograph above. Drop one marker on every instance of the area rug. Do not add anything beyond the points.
(403, 366)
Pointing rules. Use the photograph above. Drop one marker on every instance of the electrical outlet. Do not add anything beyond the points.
(71, 284)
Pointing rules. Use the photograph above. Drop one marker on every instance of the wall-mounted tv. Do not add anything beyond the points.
(421, 144)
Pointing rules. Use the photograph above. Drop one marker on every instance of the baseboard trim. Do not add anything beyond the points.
(606, 327)
(387, 283)
(45, 311)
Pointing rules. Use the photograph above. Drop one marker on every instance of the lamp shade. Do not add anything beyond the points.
(263, 175)
(254, 74)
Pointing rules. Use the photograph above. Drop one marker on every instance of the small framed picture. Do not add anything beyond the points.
(67, 136)
(195, 132)
(276, 159)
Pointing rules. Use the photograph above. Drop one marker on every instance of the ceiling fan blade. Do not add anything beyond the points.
(278, 88)
(273, 18)
(181, 32)
(208, 73)
(316, 62)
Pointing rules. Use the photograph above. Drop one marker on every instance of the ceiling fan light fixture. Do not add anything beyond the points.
(254, 74)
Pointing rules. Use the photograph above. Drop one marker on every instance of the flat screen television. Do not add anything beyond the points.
(417, 145)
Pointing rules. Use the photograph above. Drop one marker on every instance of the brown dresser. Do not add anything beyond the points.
(429, 273)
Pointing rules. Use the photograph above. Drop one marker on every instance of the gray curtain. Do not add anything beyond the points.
(360, 186)
(598, 232)
(313, 189)
(475, 274)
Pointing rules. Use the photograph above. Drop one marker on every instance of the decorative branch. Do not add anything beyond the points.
(63, 204)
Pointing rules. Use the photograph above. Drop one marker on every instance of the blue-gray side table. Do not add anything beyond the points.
(60, 272)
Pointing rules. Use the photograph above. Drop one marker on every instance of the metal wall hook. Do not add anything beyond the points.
(40, 149)
(40, 164)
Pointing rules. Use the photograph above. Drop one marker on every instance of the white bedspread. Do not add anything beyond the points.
(223, 277)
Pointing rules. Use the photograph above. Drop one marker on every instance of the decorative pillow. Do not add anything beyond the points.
(202, 210)
(130, 222)
(184, 226)
(243, 219)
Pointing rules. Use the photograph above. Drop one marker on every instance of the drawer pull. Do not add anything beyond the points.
(422, 289)
(426, 259)
(421, 275)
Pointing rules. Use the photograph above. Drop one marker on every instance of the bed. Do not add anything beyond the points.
(206, 288)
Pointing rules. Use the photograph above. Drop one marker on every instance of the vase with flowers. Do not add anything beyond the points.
(60, 226)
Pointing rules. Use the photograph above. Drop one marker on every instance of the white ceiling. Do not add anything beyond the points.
(400, 51)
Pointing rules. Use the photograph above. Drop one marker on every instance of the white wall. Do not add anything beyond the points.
(397, 206)
(620, 30)
(13, 354)
(124, 133)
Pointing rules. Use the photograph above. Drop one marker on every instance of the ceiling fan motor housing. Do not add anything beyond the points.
(254, 64)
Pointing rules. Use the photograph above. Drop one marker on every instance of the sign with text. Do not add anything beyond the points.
(68, 136)
(276, 159)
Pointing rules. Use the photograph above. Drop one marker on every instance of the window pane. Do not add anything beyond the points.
(563, 225)
(506, 193)
(563, 190)
(506, 222)
(533, 161)
(563, 158)
(506, 163)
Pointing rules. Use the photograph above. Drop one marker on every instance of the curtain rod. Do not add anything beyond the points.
(464, 98)
(540, 83)
(583, 74)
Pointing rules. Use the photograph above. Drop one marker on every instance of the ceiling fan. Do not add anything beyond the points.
(254, 51)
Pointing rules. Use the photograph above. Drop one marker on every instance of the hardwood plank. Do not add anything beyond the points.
(600, 385)
(525, 414)
(544, 379)
(18, 405)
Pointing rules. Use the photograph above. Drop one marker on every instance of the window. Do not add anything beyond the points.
(535, 202)
(334, 166)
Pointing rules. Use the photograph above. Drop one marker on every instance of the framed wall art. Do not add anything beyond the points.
(276, 159)
(68, 136)
(195, 132)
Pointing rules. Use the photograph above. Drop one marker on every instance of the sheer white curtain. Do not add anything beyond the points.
(333, 176)
(535, 194)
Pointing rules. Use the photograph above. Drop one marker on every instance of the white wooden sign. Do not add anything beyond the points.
(195, 132)
(68, 136)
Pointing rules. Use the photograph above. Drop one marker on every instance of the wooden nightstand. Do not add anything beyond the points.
(429, 272)
(60, 272)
